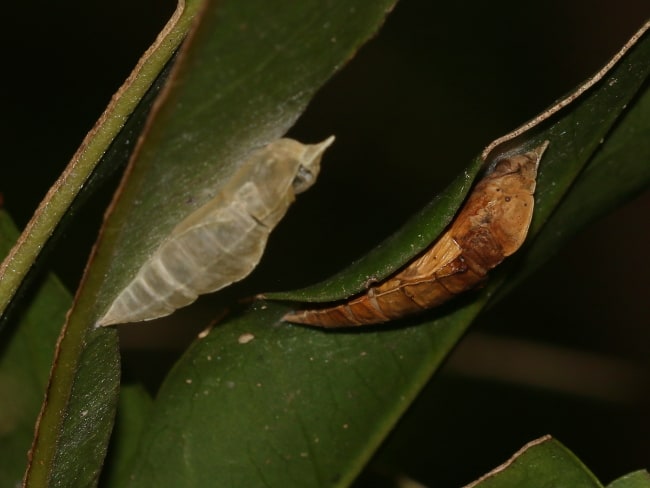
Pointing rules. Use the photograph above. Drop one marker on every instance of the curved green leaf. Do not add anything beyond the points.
(541, 463)
(224, 103)
(618, 171)
(298, 405)
(262, 403)
(575, 128)
(76, 420)
(246, 74)
(637, 479)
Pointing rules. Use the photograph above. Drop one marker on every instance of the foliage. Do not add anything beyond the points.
(293, 406)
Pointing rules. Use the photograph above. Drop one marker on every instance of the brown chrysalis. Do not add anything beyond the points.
(492, 225)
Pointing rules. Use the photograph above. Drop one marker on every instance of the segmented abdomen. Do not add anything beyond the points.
(223, 240)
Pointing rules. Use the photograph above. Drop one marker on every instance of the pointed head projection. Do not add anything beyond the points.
(509, 189)
(310, 165)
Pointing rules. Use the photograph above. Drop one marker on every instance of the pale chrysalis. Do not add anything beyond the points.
(222, 241)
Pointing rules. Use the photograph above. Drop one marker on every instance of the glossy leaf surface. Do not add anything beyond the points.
(296, 403)
(541, 463)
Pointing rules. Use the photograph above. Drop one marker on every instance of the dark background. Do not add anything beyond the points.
(417, 103)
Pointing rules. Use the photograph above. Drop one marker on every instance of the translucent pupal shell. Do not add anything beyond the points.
(491, 225)
(222, 241)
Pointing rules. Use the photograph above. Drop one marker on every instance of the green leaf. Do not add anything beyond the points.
(27, 352)
(618, 171)
(575, 133)
(636, 479)
(297, 405)
(225, 103)
(541, 463)
(243, 78)
(77, 418)
(291, 407)
(132, 414)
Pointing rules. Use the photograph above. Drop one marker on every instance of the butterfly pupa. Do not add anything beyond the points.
(222, 241)
(491, 225)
